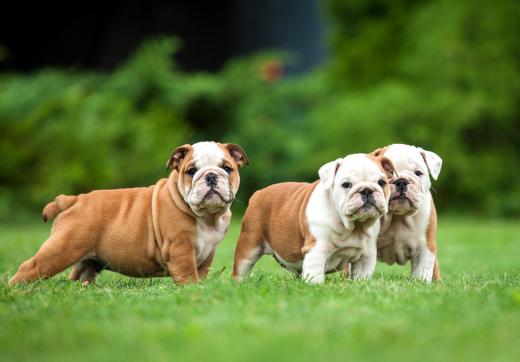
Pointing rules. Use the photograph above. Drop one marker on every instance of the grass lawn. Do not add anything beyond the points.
(473, 315)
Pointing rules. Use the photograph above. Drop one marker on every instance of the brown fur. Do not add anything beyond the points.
(379, 152)
(60, 203)
(235, 158)
(385, 164)
(271, 217)
(276, 214)
(139, 232)
(431, 233)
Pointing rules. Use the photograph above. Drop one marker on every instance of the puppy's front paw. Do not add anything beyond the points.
(422, 266)
(314, 278)
(362, 276)
(424, 275)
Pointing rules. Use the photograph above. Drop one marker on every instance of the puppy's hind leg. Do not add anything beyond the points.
(55, 255)
(87, 271)
(346, 270)
(250, 247)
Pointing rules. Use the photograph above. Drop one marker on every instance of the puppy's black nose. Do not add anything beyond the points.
(401, 185)
(366, 192)
(211, 179)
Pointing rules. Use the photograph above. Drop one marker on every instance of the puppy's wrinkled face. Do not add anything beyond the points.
(411, 183)
(359, 186)
(208, 174)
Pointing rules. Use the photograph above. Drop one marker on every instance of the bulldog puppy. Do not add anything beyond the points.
(170, 228)
(409, 229)
(316, 228)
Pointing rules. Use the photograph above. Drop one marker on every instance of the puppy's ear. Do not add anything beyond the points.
(328, 172)
(379, 152)
(433, 162)
(238, 154)
(387, 166)
(376, 153)
(177, 156)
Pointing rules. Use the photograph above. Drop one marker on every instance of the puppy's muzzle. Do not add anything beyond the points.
(367, 195)
(364, 200)
(211, 180)
(401, 185)
(405, 192)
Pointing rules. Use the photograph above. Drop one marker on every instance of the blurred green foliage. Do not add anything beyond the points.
(441, 75)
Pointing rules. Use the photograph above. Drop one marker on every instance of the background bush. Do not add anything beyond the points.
(441, 75)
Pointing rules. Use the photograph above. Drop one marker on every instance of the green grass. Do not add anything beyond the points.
(473, 315)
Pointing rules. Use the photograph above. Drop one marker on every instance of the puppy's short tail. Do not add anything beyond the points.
(60, 203)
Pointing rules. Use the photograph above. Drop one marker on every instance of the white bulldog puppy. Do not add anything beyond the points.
(317, 228)
(408, 231)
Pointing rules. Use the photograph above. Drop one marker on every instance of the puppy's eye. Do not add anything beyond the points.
(191, 171)
(346, 185)
(381, 183)
(418, 173)
(227, 169)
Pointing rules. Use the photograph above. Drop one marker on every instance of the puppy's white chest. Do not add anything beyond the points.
(343, 256)
(399, 243)
(208, 238)
(350, 249)
(350, 253)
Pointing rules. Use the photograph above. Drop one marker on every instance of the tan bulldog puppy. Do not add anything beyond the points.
(170, 228)
(408, 231)
(316, 228)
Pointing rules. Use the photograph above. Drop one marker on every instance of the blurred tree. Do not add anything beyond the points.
(441, 75)
(367, 38)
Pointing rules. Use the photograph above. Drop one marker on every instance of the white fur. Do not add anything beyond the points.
(403, 240)
(209, 237)
(342, 239)
(327, 172)
(422, 264)
(207, 157)
(403, 237)
(207, 154)
(433, 161)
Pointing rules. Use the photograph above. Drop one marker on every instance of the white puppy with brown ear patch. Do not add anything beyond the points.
(408, 231)
(317, 228)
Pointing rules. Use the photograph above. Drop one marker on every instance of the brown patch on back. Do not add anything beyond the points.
(281, 211)
(276, 215)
